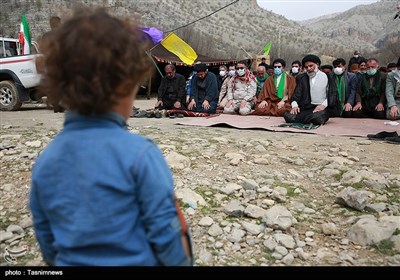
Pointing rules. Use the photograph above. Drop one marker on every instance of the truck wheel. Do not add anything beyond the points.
(9, 99)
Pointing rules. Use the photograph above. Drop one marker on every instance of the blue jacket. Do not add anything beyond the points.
(104, 196)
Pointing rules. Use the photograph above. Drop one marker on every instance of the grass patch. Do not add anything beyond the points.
(268, 256)
(385, 247)
(358, 185)
(205, 210)
(290, 189)
(338, 177)
(393, 195)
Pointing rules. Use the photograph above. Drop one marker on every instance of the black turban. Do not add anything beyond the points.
(311, 58)
(201, 67)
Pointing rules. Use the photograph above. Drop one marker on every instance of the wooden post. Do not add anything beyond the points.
(149, 89)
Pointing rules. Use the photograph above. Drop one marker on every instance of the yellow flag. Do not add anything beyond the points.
(179, 47)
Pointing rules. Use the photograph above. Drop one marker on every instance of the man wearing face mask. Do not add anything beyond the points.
(224, 88)
(222, 75)
(241, 91)
(391, 67)
(296, 69)
(346, 84)
(370, 97)
(171, 93)
(204, 92)
(274, 98)
(355, 59)
(314, 93)
(393, 93)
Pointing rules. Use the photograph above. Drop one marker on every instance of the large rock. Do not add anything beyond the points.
(368, 231)
(278, 217)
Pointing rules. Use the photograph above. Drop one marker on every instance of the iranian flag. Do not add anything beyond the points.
(25, 36)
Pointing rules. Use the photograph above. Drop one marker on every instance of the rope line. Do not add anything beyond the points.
(203, 17)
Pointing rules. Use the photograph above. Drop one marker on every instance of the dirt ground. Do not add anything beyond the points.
(379, 153)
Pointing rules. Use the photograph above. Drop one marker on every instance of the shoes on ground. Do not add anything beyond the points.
(157, 114)
(394, 139)
(382, 135)
(140, 114)
(151, 114)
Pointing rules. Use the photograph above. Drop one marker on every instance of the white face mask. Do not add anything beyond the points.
(241, 72)
(222, 73)
(295, 70)
(356, 55)
(338, 71)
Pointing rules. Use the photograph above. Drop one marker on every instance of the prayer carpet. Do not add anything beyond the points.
(335, 126)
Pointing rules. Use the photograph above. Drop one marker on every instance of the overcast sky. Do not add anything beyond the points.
(306, 9)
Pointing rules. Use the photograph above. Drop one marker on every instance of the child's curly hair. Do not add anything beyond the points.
(92, 60)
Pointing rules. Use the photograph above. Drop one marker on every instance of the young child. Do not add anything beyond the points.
(101, 195)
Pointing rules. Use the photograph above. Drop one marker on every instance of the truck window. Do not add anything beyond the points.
(10, 48)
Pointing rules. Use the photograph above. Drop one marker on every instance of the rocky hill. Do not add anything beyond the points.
(243, 27)
(364, 27)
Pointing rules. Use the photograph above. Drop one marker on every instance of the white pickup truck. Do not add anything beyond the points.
(18, 76)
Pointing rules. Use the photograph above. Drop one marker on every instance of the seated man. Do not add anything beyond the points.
(204, 91)
(224, 88)
(241, 91)
(393, 93)
(314, 92)
(262, 76)
(391, 67)
(370, 97)
(171, 93)
(346, 84)
(327, 68)
(274, 99)
(296, 69)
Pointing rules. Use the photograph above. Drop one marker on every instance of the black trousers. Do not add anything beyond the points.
(168, 104)
(368, 109)
(308, 116)
(366, 112)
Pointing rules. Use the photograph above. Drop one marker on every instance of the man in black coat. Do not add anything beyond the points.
(171, 93)
(356, 59)
(315, 92)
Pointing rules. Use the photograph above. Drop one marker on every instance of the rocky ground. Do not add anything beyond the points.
(251, 197)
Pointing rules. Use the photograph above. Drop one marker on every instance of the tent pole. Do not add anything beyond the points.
(149, 89)
(251, 58)
(247, 53)
(155, 64)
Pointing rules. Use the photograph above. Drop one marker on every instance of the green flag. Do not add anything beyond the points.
(267, 48)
